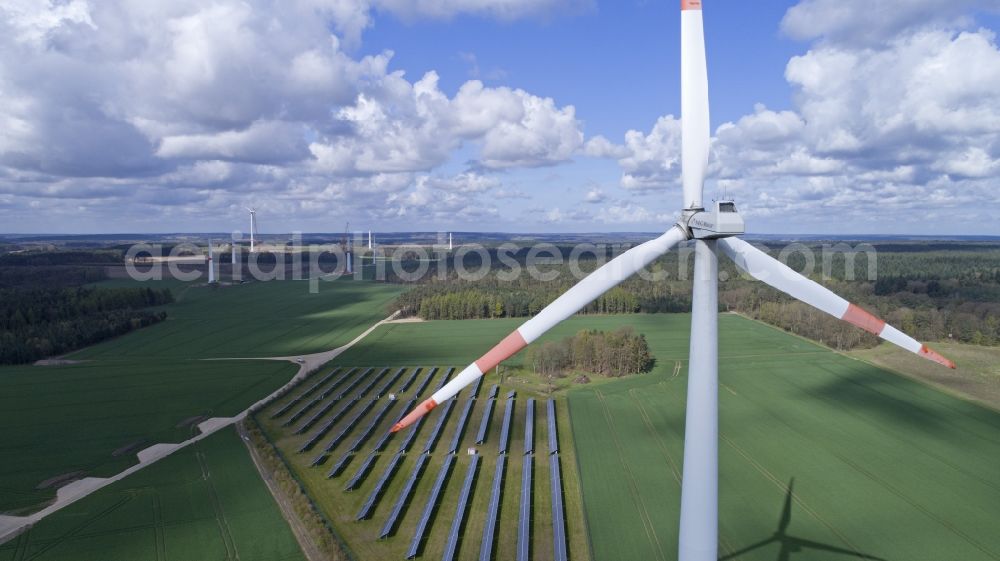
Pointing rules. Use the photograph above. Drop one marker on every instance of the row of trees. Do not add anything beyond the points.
(617, 353)
(41, 322)
(931, 294)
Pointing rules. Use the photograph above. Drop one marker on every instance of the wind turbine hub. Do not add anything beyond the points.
(721, 220)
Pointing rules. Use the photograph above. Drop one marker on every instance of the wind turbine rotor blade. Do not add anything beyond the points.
(695, 128)
(772, 272)
(573, 300)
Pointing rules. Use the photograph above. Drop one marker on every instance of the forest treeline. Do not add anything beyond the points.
(621, 352)
(36, 323)
(932, 295)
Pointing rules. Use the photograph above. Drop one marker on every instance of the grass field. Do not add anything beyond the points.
(256, 319)
(140, 388)
(62, 419)
(205, 502)
(341, 507)
(882, 466)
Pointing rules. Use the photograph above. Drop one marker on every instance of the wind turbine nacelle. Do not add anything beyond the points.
(720, 221)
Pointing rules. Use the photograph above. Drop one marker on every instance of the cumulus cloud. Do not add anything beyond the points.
(904, 124)
(238, 96)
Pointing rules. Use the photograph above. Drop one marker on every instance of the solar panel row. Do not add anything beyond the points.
(408, 440)
(553, 435)
(365, 434)
(404, 496)
(444, 379)
(490, 529)
(451, 546)
(475, 389)
(284, 409)
(425, 518)
(349, 426)
(558, 519)
(493, 391)
(363, 470)
(511, 394)
(529, 427)
(372, 501)
(388, 384)
(485, 423)
(508, 415)
(323, 430)
(423, 383)
(409, 379)
(364, 391)
(442, 419)
(462, 421)
(338, 467)
(329, 405)
(524, 514)
(407, 407)
(312, 403)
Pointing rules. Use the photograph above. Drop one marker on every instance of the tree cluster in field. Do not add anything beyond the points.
(54, 258)
(606, 353)
(929, 291)
(40, 322)
(49, 276)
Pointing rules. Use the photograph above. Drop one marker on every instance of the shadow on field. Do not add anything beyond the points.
(791, 544)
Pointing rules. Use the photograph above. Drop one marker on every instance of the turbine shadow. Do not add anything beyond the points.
(791, 544)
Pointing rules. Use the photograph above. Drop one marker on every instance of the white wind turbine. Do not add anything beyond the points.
(253, 228)
(712, 229)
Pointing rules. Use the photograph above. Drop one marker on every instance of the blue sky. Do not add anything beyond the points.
(828, 116)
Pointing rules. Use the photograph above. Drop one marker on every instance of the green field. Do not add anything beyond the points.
(256, 319)
(62, 419)
(882, 466)
(140, 389)
(341, 507)
(204, 502)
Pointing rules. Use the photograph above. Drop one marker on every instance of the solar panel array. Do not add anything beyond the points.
(423, 383)
(524, 513)
(414, 428)
(363, 470)
(529, 427)
(372, 501)
(388, 384)
(508, 415)
(553, 435)
(485, 423)
(409, 379)
(320, 398)
(379, 415)
(558, 520)
(338, 467)
(451, 546)
(425, 518)
(357, 384)
(493, 511)
(388, 434)
(463, 419)
(444, 379)
(442, 418)
(291, 403)
(404, 496)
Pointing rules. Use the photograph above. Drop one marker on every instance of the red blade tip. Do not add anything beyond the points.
(412, 416)
(930, 354)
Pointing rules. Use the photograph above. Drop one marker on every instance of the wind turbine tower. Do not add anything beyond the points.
(253, 229)
(714, 229)
(450, 245)
(211, 264)
(369, 239)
